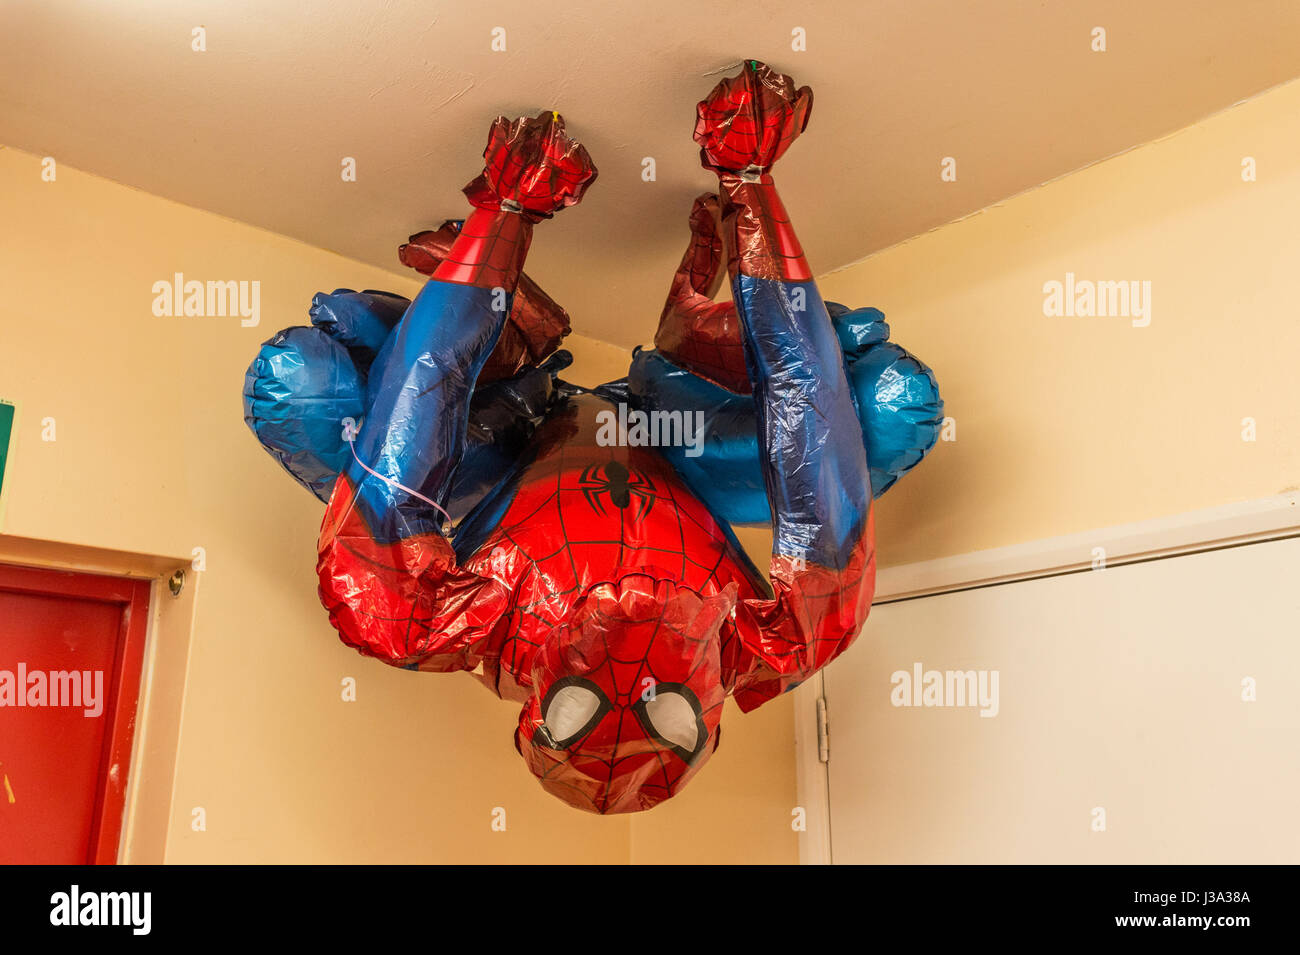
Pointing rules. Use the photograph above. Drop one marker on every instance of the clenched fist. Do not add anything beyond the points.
(533, 168)
(750, 120)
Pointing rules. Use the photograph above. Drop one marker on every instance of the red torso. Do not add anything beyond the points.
(583, 514)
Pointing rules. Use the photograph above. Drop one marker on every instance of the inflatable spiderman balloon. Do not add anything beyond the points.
(479, 517)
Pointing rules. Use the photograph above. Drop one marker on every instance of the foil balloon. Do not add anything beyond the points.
(572, 548)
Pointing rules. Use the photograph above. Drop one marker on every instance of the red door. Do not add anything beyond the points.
(71, 649)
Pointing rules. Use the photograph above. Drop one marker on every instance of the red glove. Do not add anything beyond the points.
(533, 168)
(536, 323)
(750, 119)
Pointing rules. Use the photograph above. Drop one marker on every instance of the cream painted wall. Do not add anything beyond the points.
(1067, 424)
(151, 455)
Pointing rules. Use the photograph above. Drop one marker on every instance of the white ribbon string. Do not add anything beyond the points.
(350, 435)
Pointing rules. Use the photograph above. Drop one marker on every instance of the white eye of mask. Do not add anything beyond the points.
(570, 710)
(674, 718)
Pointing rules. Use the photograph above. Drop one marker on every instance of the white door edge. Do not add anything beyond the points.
(813, 785)
(1237, 523)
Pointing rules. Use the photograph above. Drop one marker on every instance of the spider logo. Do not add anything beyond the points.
(620, 484)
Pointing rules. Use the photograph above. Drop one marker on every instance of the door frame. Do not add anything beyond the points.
(1230, 525)
(145, 817)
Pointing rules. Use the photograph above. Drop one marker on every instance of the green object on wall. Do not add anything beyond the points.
(7, 414)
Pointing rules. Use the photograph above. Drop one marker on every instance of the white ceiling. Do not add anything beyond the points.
(255, 128)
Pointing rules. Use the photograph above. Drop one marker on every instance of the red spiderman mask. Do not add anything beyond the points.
(628, 695)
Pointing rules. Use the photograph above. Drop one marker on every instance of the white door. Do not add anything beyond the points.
(1122, 724)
